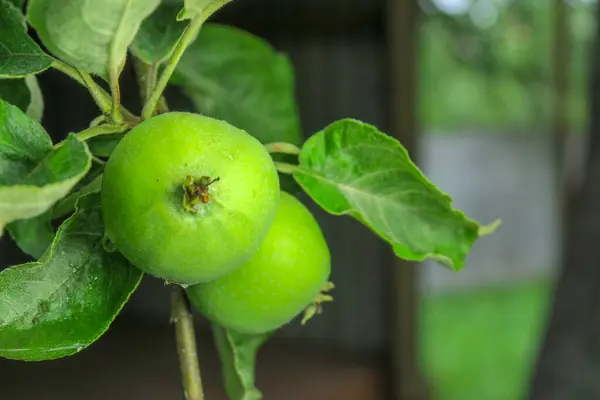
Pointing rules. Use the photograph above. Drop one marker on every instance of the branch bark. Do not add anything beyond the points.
(186, 345)
(407, 381)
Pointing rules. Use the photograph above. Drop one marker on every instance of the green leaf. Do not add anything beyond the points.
(47, 183)
(23, 143)
(62, 304)
(19, 54)
(18, 3)
(158, 35)
(103, 145)
(237, 353)
(33, 175)
(15, 92)
(89, 34)
(200, 8)
(24, 93)
(232, 75)
(33, 235)
(92, 183)
(352, 168)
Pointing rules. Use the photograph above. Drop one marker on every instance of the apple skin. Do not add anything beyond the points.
(143, 197)
(283, 277)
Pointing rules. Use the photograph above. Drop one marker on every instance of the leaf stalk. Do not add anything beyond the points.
(99, 130)
(285, 168)
(115, 90)
(283, 148)
(186, 38)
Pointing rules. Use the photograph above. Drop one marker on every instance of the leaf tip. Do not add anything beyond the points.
(489, 228)
(182, 15)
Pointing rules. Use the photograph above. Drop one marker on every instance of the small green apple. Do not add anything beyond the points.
(284, 277)
(188, 198)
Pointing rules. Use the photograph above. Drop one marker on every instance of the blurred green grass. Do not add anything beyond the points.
(481, 344)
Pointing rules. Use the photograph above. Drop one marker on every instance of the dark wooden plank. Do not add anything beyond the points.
(272, 18)
(140, 363)
(402, 38)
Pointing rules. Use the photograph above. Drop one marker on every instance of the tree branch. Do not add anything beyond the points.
(181, 316)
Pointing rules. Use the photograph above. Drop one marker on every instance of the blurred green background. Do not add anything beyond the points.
(487, 63)
(486, 66)
(482, 344)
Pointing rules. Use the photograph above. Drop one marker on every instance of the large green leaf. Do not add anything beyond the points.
(200, 8)
(158, 34)
(19, 54)
(24, 93)
(237, 353)
(33, 175)
(89, 34)
(235, 76)
(62, 304)
(352, 168)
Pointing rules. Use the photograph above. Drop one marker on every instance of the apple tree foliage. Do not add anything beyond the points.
(67, 298)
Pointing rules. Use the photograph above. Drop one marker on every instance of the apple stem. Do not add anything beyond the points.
(181, 316)
(196, 191)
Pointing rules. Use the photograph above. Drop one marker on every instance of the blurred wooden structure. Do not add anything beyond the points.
(138, 362)
(570, 354)
(403, 54)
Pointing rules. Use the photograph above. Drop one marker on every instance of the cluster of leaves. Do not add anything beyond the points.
(61, 303)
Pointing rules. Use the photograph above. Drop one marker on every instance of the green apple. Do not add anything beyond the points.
(188, 198)
(283, 278)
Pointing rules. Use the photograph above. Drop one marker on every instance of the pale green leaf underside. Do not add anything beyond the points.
(62, 304)
(89, 34)
(19, 54)
(35, 108)
(352, 168)
(237, 353)
(232, 75)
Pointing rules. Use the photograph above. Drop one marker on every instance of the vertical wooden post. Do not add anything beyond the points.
(560, 63)
(402, 40)
(570, 355)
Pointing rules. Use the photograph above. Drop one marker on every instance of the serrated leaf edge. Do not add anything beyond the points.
(447, 261)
